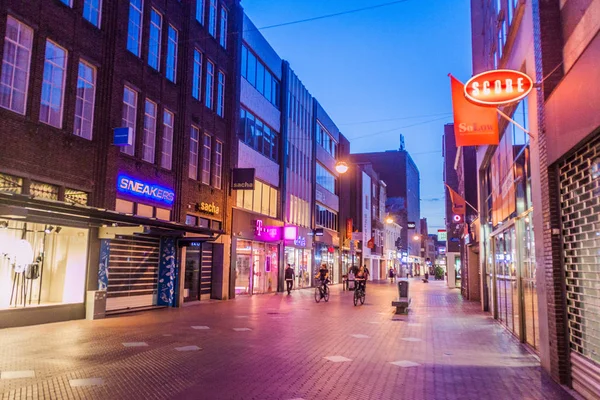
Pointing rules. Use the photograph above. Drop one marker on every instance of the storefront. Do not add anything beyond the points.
(507, 234)
(256, 252)
(298, 253)
(330, 256)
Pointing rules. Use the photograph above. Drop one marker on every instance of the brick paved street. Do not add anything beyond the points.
(274, 347)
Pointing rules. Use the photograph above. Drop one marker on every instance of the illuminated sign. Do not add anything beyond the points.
(207, 208)
(267, 233)
(442, 236)
(411, 225)
(300, 241)
(242, 178)
(496, 87)
(143, 190)
(290, 233)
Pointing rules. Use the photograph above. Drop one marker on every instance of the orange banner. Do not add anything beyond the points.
(473, 125)
(458, 203)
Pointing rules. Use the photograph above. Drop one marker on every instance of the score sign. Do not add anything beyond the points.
(497, 87)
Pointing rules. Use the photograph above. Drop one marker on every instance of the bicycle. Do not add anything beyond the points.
(359, 293)
(322, 292)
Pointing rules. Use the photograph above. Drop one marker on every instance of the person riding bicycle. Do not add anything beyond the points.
(323, 275)
(361, 278)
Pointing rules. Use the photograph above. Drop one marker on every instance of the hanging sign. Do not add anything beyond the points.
(137, 188)
(242, 178)
(411, 225)
(473, 125)
(123, 136)
(497, 87)
(348, 228)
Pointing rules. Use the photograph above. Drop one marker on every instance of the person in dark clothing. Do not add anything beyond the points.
(289, 278)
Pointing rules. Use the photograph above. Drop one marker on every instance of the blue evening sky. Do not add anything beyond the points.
(387, 63)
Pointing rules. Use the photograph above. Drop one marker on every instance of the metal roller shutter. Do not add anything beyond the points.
(206, 271)
(132, 272)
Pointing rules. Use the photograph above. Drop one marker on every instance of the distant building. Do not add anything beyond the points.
(453, 230)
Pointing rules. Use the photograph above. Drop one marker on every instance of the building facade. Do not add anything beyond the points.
(453, 230)
(112, 90)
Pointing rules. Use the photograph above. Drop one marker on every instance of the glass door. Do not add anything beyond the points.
(258, 268)
(242, 267)
(191, 286)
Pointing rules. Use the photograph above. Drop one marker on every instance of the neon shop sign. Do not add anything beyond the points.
(136, 188)
(267, 233)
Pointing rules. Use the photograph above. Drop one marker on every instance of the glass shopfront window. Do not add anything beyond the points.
(301, 261)
(331, 256)
(41, 265)
(257, 267)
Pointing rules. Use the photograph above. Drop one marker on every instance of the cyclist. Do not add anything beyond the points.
(361, 278)
(323, 275)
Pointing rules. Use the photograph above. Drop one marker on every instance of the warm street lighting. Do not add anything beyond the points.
(389, 220)
(341, 167)
(416, 237)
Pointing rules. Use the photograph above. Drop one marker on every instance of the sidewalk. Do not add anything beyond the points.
(279, 347)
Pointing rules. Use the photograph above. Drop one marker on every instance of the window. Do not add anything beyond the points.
(217, 171)
(67, 2)
(84, 104)
(206, 150)
(197, 79)
(172, 54)
(223, 31)
(200, 11)
(134, 27)
(221, 95)
(263, 199)
(129, 115)
(193, 165)
(166, 156)
(326, 179)
(191, 220)
(257, 74)
(149, 132)
(204, 223)
(258, 135)
(326, 218)
(326, 141)
(15, 66)
(92, 11)
(53, 85)
(212, 18)
(155, 39)
(210, 83)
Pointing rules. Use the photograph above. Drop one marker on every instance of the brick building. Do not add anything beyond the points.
(139, 211)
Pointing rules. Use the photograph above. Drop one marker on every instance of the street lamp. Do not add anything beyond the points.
(341, 167)
(389, 220)
(416, 237)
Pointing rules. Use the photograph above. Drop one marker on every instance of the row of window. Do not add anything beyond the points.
(258, 135)
(263, 199)
(92, 10)
(297, 161)
(142, 210)
(209, 84)
(505, 23)
(326, 179)
(129, 120)
(205, 163)
(212, 19)
(15, 76)
(41, 190)
(326, 218)
(193, 220)
(299, 211)
(257, 74)
(326, 141)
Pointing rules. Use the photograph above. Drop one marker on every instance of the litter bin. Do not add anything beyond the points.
(403, 289)
(95, 307)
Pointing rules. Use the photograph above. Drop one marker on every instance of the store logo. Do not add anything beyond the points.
(207, 208)
(266, 232)
(496, 87)
(300, 241)
(136, 188)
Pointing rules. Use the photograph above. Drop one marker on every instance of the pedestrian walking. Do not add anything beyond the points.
(391, 275)
(289, 278)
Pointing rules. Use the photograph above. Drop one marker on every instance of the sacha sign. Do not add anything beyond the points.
(496, 87)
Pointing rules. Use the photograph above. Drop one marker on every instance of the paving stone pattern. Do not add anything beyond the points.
(454, 351)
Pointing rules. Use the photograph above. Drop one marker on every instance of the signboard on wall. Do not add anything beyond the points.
(442, 236)
(243, 178)
(144, 190)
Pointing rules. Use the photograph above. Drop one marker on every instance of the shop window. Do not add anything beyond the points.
(216, 225)
(191, 220)
(76, 197)
(11, 184)
(124, 206)
(163, 214)
(145, 211)
(43, 191)
(42, 265)
(204, 223)
(263, 199)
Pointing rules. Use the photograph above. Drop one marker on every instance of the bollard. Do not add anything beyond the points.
(403, 289)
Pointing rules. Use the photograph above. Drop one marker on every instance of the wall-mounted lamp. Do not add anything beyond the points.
(341, 167)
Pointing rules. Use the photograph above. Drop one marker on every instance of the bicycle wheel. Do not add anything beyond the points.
(355, 297)
(317, 294)
(326, 294)
(362, 298)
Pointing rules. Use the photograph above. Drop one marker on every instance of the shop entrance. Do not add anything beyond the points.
(300, 260)
(257, 267)
(132, 272)
(198, 273)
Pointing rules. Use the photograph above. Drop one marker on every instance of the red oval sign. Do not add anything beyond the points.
(500, 86)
